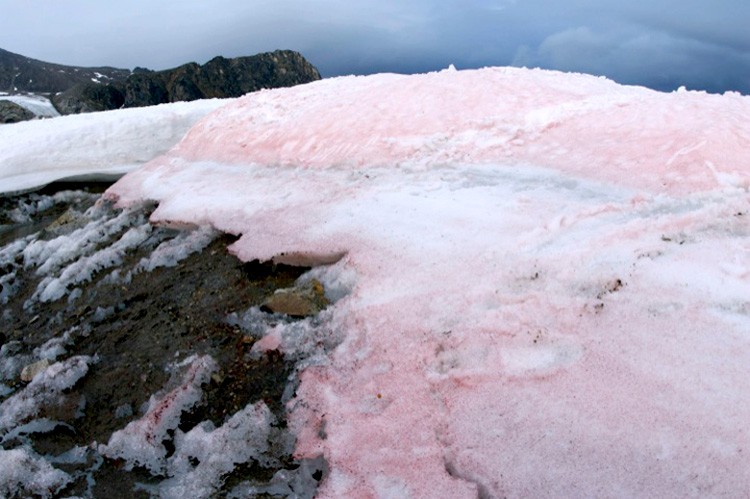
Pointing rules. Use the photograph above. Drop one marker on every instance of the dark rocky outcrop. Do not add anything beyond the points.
(10, 112)
(218, 78)
(90, 97)
(23, 74)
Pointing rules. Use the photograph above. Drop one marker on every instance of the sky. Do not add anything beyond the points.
(662, 44)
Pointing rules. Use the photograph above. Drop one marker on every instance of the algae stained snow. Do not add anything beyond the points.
(546, 276)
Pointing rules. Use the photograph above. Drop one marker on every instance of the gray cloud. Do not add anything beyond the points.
(661, 44)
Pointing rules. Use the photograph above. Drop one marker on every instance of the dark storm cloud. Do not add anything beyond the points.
(663, 44)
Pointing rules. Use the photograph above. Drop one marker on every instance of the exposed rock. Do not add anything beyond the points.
(23, 74)
(10, 112)
(218, 78)
(90, 97)
(302, 301)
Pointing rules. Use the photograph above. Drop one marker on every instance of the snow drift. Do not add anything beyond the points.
(550, 275)
(100, 146)
(39, 105)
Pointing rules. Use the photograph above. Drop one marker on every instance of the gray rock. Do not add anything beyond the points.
(90, 97)
(10, 112)
(23, 74)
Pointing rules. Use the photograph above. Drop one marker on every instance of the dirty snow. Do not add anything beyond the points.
(552, 275)
(141, 441)
(24, 473)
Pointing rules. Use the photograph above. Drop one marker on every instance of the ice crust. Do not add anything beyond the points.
(37, 104)
(243, 438)
(70, 259)
(202, 456)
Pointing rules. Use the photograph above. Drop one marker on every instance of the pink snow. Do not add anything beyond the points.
(552, 292)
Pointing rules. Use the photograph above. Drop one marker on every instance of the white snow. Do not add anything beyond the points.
(141, 441)
(242, 439)
(70, 259)
(92, 146)
(174, 250)
(45, 389)
(25, 474)
(37, 104)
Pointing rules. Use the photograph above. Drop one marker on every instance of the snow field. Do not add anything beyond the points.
(541, 279)
(550, 275)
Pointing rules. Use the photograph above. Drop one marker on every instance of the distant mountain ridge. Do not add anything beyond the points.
(23, 74)
(79, 90)
(218, 78)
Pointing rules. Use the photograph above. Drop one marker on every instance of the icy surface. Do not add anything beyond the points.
(37, 104)
(549, 274)
(171, 252)
(92, 146)
(75, 257)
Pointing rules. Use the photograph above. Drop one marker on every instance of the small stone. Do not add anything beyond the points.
(303, 301)
(124, 411)
(67, 222)
(28, 372)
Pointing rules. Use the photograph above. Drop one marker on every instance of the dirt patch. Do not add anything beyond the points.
(136, 328)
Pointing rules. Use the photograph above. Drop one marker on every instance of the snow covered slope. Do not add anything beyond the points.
(549, 273)
(37, 104)
(101, 145)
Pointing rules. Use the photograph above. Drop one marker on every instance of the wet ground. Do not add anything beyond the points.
(137, 329)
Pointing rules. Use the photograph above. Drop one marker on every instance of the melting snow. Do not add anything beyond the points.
(552, 275)
(541, 280)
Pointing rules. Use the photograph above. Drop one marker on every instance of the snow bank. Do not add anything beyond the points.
(41, 106)
(548, 276)
(92, 146)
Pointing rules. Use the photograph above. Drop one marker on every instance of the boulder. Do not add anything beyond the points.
(90, 97)
(10, 112)
(300, 301)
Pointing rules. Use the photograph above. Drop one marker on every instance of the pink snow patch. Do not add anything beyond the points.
(585, 125)
(550, 293)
